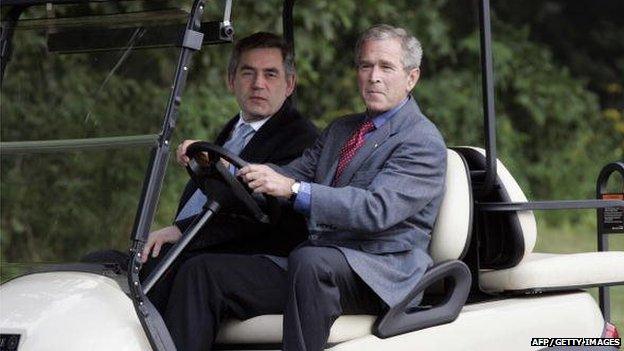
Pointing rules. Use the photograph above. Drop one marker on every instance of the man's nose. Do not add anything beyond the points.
(258, 82)
(375, 74)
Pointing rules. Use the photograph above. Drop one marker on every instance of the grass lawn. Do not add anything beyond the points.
(570, 238)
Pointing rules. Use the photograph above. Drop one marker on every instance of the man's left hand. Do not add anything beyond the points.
(263, 179)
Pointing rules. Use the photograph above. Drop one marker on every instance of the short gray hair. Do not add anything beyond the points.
(412, 50)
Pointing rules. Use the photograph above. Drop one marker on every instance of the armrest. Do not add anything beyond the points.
(398, 320)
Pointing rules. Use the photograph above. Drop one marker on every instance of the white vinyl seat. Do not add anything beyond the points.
(450, 241)
(542, 271)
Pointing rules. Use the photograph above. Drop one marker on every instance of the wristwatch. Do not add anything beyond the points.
(294, 189)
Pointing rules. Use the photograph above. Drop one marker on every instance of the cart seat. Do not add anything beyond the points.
(509, 238)
(450, 240)
(542, 271)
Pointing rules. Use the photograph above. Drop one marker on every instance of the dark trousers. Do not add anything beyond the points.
(317, 288)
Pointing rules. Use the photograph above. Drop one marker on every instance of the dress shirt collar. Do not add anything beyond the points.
(255, 124)
(379, 120)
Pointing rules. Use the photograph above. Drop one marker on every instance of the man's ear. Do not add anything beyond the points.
(412, 78)
(291, 83)
(230, 83)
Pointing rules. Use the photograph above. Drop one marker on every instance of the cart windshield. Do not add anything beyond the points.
(83, 98)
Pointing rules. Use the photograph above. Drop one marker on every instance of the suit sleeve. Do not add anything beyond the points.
(411, 178)
(303, 168)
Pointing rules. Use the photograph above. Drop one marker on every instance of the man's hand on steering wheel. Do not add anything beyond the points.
(264, 180)
(203, 158)
(269, 182)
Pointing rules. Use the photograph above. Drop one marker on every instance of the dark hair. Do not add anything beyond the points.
(262, 40)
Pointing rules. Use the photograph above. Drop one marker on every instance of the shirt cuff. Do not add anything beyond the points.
(303, 199)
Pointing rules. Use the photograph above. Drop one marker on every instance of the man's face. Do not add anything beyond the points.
(260, 83)
(382, 79)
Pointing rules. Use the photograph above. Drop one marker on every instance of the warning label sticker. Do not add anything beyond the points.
(613, 218)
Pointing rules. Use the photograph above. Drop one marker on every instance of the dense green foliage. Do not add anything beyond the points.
(559, 108)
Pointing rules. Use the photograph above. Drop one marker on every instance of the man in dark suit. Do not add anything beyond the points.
(371, 188)
(262, 76)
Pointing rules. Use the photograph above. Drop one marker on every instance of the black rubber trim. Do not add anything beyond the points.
(399, 320)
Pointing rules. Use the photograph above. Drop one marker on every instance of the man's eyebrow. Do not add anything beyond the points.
(243, 67)
(387, 63)
(271, 70)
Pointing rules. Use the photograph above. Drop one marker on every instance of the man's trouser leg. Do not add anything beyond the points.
(211, 287)
(321, 287)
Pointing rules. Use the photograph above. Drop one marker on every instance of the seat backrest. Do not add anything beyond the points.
(505, 238)
(451, 234)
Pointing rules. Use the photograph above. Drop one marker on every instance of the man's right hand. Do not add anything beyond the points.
(157, 238)
(181, 157)
(203, 158)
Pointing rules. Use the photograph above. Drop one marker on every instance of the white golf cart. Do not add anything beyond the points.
(488, 289)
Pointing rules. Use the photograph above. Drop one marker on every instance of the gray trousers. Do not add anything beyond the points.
(317, 288)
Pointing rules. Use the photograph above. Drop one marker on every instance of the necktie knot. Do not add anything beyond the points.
(240, 136)
(244, 129)
(352, 145)
(366, 127)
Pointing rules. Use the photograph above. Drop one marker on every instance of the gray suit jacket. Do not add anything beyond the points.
(381, 212)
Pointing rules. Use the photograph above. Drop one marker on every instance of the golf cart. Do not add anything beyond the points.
(486, 275)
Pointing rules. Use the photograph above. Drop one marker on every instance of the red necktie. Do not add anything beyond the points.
(352, 145)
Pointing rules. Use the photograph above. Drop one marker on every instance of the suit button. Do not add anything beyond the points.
(313, 236)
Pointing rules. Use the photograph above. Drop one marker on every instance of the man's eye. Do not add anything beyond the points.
(271, 74)
(387, 67)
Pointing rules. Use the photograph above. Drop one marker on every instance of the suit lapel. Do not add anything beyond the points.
(258, 150)
(342, 134)
(376, 138)
(224, 135)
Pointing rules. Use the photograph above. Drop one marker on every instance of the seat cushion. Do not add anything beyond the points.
(451, 233)
(267, 329)
(542, 271)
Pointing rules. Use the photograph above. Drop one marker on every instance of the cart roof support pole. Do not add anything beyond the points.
(489, 114)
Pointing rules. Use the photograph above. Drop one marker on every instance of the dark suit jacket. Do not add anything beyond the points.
(281, 139)
(382, 209)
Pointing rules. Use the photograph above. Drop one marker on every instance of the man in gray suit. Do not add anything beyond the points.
(371, 188)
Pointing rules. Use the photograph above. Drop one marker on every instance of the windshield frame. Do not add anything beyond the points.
(190, 41)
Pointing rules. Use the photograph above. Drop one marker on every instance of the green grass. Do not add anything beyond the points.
(581, 237)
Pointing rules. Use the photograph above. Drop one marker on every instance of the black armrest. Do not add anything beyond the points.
(398, 320)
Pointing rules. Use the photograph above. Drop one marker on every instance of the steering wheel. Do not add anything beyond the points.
(199, 173)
